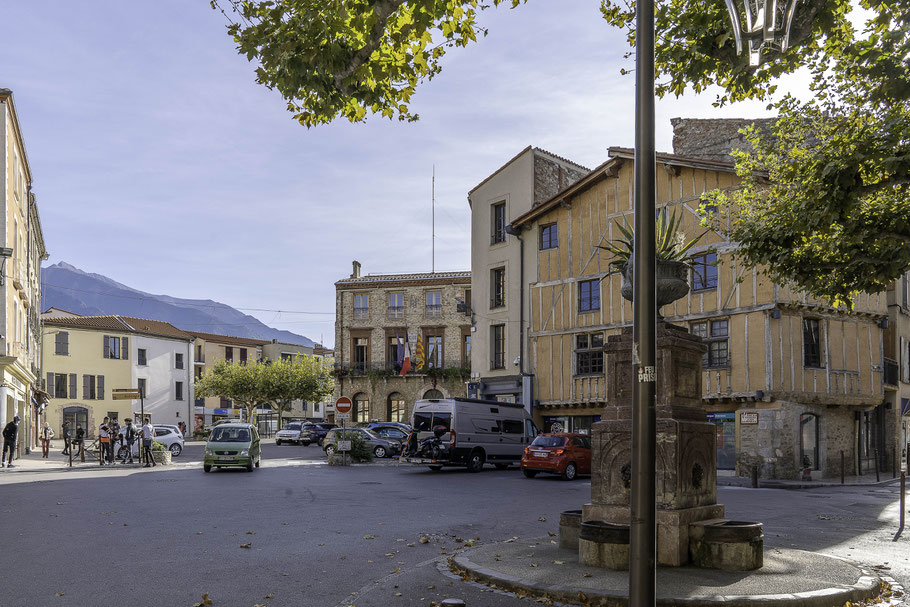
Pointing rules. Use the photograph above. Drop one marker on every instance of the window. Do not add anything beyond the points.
(361, 306)
(498, 347)
(178, 390)
(434, 304)
(466, 350)
(715, 334)
(57, 382)
(396, 407)
(513, 426)
(178, 360)
(396, 306)
(141, 385)
(589, 354)
(242, 357)
(808, 441)
(498, 223)
(588, 295)
(434, 350)
(395, 353)
(361, 408)
(62, 343)
(141, 357)
(200, 357)
(361, 353)
(704, 272)
(549, 236)
(497, 287)
(88, 387)
(229, 354)
(811, 343)
(116, 347)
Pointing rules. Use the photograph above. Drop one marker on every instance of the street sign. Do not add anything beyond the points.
(344, 445)
(125, 395)
(343, 405)
(341, 416)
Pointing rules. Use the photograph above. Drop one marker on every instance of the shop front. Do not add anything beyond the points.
(725, 424)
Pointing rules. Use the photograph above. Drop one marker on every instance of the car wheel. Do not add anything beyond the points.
(435, 468)
(501, 466)
(306, 444)
(570, 472)
(277, 443)
(476, 461)
(206, 468)
(529, 473)
(330, 450)
(175, 449)
(379, 452)
(249, 467)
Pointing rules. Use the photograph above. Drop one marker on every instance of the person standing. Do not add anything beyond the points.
(116, 439)
(66, 437)
(104, 438)
(147, 435)
(46, 435)
(10, 432)
(129, 434)
(80, 441)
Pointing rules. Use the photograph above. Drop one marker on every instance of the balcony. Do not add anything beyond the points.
(396, 312)
(449, 369)
(199, 360)
(434, 310)
(890, 376)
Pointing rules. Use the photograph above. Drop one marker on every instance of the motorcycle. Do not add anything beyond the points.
(431, 447)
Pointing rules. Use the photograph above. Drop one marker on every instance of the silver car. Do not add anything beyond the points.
(380, 446)
(291, 433)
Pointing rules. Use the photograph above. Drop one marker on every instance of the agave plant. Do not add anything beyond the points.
(670, 242)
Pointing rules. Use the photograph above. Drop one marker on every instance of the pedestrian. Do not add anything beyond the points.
(46, 435)
(66, 437)
(116, 440)
(147, 433)
(129, 433)
(9, 441)
(104, 438)
(80, 441)
(182, 426)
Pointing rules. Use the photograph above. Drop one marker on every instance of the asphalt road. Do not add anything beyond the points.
(298, 533)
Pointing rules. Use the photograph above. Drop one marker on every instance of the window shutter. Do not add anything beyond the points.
(58, 343)
(50, 385)
(86, 387)
(100, 388)
(107, 347)
(125, 348)
(73, 386)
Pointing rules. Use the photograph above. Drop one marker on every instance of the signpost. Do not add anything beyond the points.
(343, 408)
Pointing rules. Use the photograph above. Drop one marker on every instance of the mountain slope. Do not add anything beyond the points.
(71, 289)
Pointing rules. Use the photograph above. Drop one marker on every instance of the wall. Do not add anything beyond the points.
(713, 137)
(161, 375)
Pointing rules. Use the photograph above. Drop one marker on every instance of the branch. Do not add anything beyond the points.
(383, 9)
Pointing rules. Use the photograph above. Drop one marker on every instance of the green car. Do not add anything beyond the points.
(232, 445)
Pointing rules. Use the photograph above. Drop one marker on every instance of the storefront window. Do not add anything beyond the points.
(726, 439)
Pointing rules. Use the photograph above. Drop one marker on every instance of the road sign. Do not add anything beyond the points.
(344, 445)
(125, 395)
(343, 405)
(341, 416)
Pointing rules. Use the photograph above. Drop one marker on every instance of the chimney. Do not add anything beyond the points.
(356, 272)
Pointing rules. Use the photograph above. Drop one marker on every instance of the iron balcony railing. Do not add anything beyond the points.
(361, 313)
(394, 367)
(396, 312)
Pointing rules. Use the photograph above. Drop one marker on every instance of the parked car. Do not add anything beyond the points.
(172, 427)
(475, 432)
(315, 433)
(167, 435)
(391, 432)
(379, 446)
(233, 445)
(565, 454)
(291, 433)
(374, 424)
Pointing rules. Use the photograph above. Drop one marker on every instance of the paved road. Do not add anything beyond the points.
(327, 537)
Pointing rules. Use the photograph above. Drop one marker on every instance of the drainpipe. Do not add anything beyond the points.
(516, 232)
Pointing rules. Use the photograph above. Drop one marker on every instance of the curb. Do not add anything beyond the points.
(868, 586)
(795, 485)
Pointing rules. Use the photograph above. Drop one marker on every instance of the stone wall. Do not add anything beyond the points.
(411, 387)
(713, 138)
(552, 175)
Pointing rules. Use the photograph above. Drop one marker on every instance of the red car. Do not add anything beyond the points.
(565, 454)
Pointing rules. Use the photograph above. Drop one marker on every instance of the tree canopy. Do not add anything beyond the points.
(833, 214)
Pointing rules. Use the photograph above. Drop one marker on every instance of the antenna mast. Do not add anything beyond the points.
(433, 239)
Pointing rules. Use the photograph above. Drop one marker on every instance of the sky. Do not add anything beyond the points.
(158, 161)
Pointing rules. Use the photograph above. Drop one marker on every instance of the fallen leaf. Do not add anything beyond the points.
(586, 575)
(204, 602)
(268, 596)
(251, 533)
(60, 503)
(369, 537)
(424, 539)
(245, 545)
(59, 594)
(551, 534)
(411, 545)
(558, 563)
(397, 594)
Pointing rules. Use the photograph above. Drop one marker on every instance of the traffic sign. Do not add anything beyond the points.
(343, 405)
(341, 416)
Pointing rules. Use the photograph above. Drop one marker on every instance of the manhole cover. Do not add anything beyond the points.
(369, 483)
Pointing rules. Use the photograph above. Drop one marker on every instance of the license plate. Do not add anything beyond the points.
(225, 458)
(540, 454)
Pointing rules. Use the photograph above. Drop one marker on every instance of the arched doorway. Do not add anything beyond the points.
(361, 407)
(433, 393)
(76, 415)
(808, 441)
(396, 407)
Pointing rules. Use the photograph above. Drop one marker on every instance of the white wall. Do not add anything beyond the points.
(161, 375)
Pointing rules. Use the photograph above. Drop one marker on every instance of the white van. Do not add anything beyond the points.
(476, 432)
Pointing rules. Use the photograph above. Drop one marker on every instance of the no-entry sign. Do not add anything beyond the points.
(343, 405)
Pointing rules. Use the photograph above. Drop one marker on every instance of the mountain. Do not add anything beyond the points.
(74, 290)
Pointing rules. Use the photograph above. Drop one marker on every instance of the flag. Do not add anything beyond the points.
(399, 356)
(406, 356)
(421, 357)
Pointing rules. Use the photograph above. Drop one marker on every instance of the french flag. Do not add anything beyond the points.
(406, 363)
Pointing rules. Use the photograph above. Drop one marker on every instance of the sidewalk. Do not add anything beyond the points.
(56, 462)
(770, 483)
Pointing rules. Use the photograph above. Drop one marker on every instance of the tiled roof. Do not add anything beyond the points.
(229, 339)
(419, 276)
(121, 324)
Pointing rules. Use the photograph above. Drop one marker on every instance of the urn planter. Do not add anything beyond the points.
(671, 279)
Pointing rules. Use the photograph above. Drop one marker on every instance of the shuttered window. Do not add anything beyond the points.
(73, 394)
(62, 343)
(116, 347)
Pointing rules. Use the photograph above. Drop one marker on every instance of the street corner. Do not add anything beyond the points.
(538, 568)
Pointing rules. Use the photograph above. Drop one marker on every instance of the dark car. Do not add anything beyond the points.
(565, 454)
(315, 433)
(393, 432)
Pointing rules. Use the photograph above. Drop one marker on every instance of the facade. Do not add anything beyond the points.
(501, 264)
(790, 382)
(375, 315)
(86, 358)
(325, 409)
(896, 426)
(208, 349)
(21, 254)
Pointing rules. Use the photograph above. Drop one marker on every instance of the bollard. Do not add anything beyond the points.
(878, 478)
(755, 477)
(894, 465)
(841, 467)
(903, 506)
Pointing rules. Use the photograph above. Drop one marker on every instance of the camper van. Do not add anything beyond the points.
(470, 432)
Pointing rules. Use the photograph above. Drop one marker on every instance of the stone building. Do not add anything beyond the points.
(896, 412)
(376, 315)
(786, 379)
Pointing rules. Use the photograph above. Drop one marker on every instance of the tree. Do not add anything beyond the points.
(831, 215)
(242, 383)
(304, 378)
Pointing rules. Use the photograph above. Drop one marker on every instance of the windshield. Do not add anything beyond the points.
(549, 441)
(292, 426)
(230, 435)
